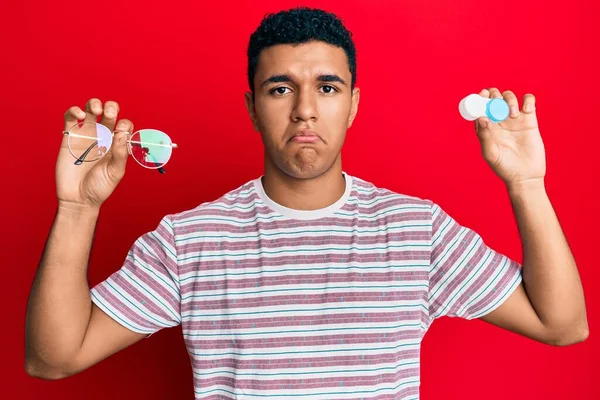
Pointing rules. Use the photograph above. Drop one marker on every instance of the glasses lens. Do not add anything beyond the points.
(151, 148)
(89, 141)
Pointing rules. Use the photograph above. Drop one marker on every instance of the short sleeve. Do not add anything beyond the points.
(144, 294)
(467, 279)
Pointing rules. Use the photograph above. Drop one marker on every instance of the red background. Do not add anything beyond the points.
(181, 67)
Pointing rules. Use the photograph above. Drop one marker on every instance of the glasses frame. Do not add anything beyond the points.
(81, 159)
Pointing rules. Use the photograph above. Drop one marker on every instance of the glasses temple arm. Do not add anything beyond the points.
(85, 153)
(160, 169)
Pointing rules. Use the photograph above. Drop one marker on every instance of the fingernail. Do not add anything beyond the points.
(528, 107)
(110, 112)
(514, 111)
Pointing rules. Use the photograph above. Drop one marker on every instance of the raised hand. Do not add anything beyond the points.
(513, 148)
(89, 184)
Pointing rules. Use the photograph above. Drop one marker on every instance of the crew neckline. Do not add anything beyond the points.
(304, 214)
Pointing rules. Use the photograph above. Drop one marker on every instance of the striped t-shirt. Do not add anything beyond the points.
(326, 304)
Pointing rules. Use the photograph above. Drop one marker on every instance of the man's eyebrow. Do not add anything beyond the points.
(287, 78)
(331, 78)
(277, 79)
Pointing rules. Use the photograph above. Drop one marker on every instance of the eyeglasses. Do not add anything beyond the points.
(150, 148)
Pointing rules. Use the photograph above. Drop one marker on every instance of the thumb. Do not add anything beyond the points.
(119, 153)
(481, 125)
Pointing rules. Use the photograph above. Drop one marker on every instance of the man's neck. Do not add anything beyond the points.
(304, 194)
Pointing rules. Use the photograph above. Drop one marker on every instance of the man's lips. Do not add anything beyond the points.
(305, 136)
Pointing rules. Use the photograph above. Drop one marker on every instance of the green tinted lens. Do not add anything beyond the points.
(151, 148)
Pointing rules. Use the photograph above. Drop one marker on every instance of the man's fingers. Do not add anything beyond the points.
(72, 116)
(513, 103)
(484, 93)
(481, 124)
(495, 93)
(109, 116)
(118, 157)
(124, 129)
(125, 125)
(93, 109)
(528, 103)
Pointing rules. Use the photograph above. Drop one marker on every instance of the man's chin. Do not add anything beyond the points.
(304, 170)
(302, 164)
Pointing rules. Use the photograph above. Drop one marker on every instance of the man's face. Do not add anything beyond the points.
(303, 105)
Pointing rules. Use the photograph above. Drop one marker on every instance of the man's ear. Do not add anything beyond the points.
(354, 107)
(251, 110)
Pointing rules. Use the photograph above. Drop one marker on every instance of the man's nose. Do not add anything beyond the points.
(305, 107)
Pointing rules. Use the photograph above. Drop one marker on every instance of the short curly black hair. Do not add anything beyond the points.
(296, 26)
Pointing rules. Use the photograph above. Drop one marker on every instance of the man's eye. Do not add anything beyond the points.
(280, 90)
(327, 89)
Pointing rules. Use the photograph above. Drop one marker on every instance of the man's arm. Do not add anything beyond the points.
(549, 306)
(65, 332)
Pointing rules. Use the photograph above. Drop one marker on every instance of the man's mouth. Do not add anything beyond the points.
(305, 136)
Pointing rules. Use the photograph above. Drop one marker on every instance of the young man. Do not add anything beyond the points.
(306, 281)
